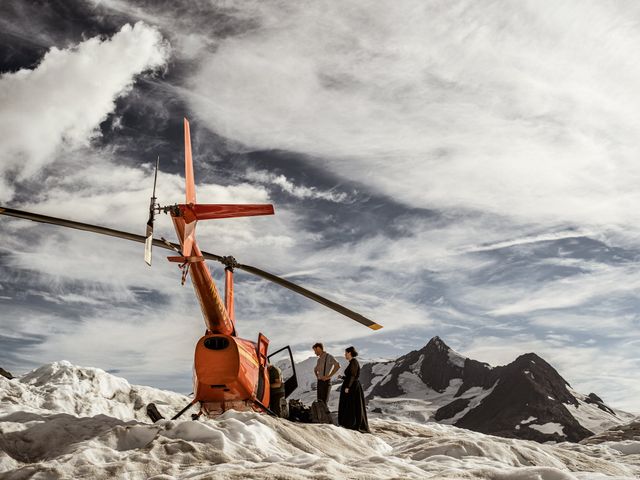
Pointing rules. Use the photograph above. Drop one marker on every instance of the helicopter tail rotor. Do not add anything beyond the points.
(188, 164)
(186, 215)
(148, 243)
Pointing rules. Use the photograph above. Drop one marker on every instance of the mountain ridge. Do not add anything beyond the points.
(526, 399)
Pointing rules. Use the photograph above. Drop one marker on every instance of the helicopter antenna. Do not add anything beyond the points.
(148, 244)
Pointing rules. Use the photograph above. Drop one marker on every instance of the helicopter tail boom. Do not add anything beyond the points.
(216, 317)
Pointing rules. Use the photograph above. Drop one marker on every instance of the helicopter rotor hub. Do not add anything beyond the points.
(229, 262)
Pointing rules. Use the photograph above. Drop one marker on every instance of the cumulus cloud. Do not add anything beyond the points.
(61, 102)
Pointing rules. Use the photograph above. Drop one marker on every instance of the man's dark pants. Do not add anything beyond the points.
(323, 390)
(274, 403)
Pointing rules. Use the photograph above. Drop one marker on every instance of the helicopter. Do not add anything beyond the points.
(229, 372)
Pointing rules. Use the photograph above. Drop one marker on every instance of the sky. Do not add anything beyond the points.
(454, 168)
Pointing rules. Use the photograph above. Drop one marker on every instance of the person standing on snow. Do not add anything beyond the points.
(326, 368)
(277, 391)
(352, 411)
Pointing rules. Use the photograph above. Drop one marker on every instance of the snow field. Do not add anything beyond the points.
(48, 431)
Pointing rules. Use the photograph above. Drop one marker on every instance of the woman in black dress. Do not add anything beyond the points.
(352, 411)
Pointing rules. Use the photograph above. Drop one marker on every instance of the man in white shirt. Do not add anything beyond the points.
(326, 368)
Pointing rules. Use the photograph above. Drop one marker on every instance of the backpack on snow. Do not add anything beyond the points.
(299, 412)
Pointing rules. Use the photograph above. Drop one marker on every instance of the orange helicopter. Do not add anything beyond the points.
(229, 372)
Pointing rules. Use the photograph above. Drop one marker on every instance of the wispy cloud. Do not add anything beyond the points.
(450, 105)
(602, 283)
(546, 237)
(296, 191)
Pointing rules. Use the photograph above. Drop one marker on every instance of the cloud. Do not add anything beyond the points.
(594, 324)
(524, 110)
(7, 190)
(297, 191)
(598, 285)
(526, 240)
(61, 102)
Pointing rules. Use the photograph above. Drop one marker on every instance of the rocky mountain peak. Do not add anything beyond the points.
(526, 398)
(529, 358)
(541, 377)
(436, 344)
(434, 365)
(597, 401)
(440, 364)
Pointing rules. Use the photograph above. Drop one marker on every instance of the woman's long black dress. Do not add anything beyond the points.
(352, 411)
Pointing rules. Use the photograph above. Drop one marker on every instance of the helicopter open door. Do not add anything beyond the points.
(283, 358)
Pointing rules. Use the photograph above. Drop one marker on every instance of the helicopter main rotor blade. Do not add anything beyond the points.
(36, 217)
(227, 261)
(311, 295)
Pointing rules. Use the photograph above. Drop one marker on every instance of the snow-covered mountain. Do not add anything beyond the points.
(62, 421)
(525, 399)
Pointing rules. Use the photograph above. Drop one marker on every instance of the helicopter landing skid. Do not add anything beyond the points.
(153, 413)
(263, 407)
